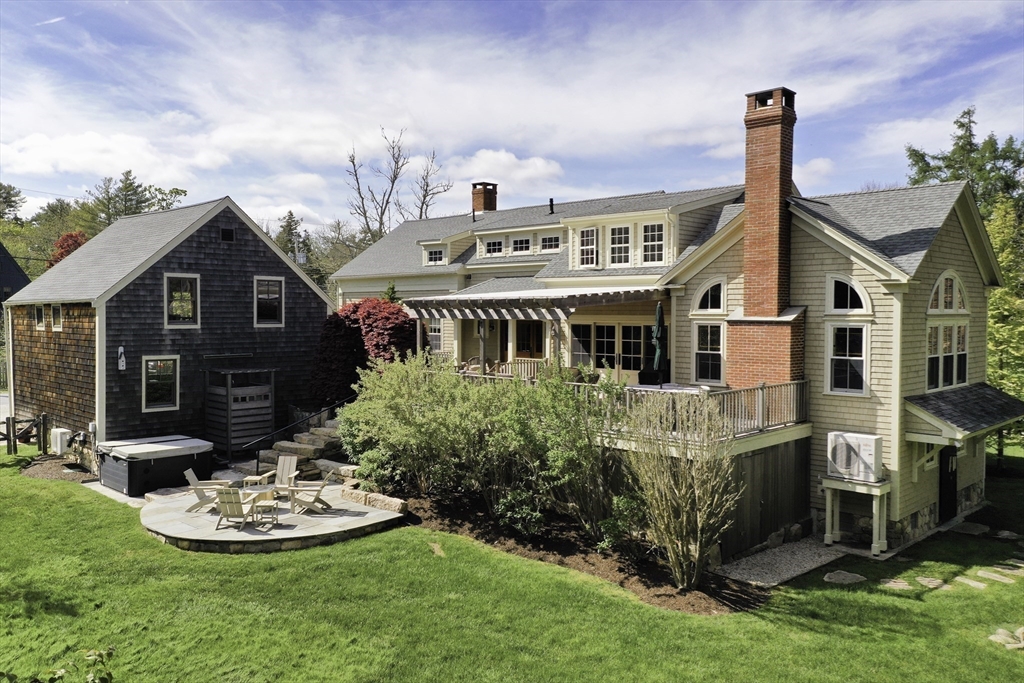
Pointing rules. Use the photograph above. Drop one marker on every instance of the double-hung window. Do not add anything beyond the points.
(520, 245)
(181, 300)
(581, 344)
(654, 243)
(40, 318)
(619, 246)
(434, 334)
(56, 318)
(708, 312)
(708, 354)
(494, 247)
(268, 301)
(588, 247)
(846, 359)
(160, 382)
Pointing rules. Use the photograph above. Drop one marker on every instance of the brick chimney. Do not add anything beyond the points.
(485, 196)
(770, 119)
(766, 345)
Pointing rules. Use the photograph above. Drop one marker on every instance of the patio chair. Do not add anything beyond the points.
(306, 496)
(204, 490)
(236, 508)
(284, 475)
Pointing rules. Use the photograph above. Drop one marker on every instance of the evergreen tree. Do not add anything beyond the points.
(111, 199)
(11, 202)
(288, 236)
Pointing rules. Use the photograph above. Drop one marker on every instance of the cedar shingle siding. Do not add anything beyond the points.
(135, 321)
(55, 372)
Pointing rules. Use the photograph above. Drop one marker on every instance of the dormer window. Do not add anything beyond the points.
(588, 247)
(654, 243)
(552, 243)
(494, 247)
(520, 245)
(620, 246)
(435, 257)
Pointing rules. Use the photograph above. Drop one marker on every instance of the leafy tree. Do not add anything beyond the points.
(65, 246)
(993, 170)
(11, 202)
(996, 174)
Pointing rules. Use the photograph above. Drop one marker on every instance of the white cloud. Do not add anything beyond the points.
(519, 175)
(49, 21)
(814, 173)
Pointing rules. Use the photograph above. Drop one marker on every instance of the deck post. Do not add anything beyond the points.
(43, 439)
(761, 395)
(481, 326)
(419, 336)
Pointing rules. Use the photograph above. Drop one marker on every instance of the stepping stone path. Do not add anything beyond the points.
(970, 528)
(1005, 569)
(971, 582)
(842, 577)
(933, 583)
(1008, 535)
(1019, 563)
(995, 577)
(897, 584)
(1012, 641)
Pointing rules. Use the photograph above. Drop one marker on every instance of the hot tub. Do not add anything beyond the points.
(137, 466)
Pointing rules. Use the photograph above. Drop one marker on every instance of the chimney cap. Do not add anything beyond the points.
(770, 90)
(484, 184)
(760, 99)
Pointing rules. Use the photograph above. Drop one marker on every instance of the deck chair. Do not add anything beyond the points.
(236, 508)
(205, 490)
(284, 475)
(306, 496)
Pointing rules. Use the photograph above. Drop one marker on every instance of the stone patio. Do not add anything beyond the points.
(165, 517)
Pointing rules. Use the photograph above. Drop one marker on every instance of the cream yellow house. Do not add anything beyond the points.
(844, 334)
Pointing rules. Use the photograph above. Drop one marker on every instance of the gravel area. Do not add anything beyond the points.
(778, 565)
(56, 467)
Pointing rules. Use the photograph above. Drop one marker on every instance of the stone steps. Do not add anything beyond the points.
(332, 424)
(325, 432)
(303, 449)
(312, 439)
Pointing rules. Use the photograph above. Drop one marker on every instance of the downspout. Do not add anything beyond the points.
(9, 360)
(101, 371)
(896, 446)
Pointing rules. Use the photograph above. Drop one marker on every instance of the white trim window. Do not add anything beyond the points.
(40, 318)
(948, 296)
(267, 301)
(588, 248)
(845, 296)
(947, 355)
(434, 334)
(847, 359)
(181, 300)
(550, 243)
(160, 383)
(709, 353)
(521, 245)
(619, 239)
(654, 243)
(435, 257)
(494, 247)
(710, 298)
(56, 318)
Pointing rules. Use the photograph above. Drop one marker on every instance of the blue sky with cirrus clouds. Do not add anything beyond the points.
(263, 100)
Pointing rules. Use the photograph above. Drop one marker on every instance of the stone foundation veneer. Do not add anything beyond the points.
(970, 497)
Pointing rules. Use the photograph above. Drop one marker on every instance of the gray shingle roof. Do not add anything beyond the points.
(897, 225)
(107, 258)
(971, 409)
(399, 254)
(503, 284)
(558, 267)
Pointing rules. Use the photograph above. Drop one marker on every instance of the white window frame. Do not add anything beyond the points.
(830, 328)
(953, 323)
(625, 248)
(54, 325)
(830, 282)
(697, 311)
(168, 325)
(556, 238)
(529, 245)
(255, 290)
(644, 244)
(177, 384)
(591, 250)
(440, 260)
(39, 315)
(433, 323)
(487, 246)
(958, 289)
(695, 331)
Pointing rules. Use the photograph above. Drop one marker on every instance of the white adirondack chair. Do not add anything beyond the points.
(205, 490)
(284, 475)
(302, 497)
(236, 508)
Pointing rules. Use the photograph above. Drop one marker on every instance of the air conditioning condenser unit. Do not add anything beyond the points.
(855, 456)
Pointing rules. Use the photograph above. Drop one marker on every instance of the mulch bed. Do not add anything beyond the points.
(564, 544)
(53, 467)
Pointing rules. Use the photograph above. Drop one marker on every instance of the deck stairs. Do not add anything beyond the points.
(318, 451)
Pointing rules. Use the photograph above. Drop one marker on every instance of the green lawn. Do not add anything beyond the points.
(77, 571)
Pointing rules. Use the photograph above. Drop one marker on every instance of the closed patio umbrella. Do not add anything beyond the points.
(658, 338)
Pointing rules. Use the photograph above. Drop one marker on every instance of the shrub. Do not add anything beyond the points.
(625, 527)
(388, 331)
(338, 356)
(678, 453)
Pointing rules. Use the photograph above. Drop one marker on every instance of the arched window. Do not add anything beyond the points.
(947, 333)
(846, 296)
(710, 298)
(948, 295)
(708, 310)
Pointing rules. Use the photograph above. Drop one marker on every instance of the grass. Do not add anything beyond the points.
(77, 571)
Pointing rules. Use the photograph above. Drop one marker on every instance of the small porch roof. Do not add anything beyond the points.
(524, 299)
(961, 412)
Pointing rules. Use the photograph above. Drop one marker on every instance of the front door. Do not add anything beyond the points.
(947, 484)
(529, 339)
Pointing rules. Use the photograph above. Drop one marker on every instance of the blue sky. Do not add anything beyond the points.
(263, 101)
